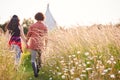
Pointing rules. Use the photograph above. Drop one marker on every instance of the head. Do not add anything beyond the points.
(39, 16)
(14, 23)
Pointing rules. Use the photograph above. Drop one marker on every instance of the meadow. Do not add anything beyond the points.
(78, 53)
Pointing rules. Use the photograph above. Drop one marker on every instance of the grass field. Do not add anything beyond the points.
(80, 53)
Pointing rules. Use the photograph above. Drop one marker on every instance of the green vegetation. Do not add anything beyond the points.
(80, 53)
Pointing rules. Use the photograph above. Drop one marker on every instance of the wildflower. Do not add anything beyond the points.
(112, 58)
(62, 57)
(90, 58)
(84, 64)
(83, 71)
(83, 75)
(57, 67)
(50, 70)
(118, 72)
(109, 61)
(63, 76)
(114, 62)
(76, 63)
(66, 70)
(88, 62)
(72, 77)
(78, 52)
(75, 59)
(43, 72)
(73, 55)
(69, 63)
(50, 78)
(72, 71)
(87, 69)
(86, 53)
(59, 73)
(62, 61)
(77, 79)
(109, 68)
(30, 78)
(112, 76)
(79, 65)
(103, 73)
(69, 56)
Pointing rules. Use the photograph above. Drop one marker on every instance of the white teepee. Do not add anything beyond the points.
(49, 20)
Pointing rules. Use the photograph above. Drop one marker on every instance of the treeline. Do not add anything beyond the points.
(25, 23)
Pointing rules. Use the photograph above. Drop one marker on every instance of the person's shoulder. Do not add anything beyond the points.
(32, 25)
(44, 25)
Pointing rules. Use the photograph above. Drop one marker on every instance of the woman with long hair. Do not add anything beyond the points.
(15, 33)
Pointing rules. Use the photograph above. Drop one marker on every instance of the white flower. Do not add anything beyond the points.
(83, 75)
(112, 58)
(83, 71)
(75, 59)
(69, 63)
(50, 78)
(77, 79)
(62, 61)
(103, 73)
(30, 78)
(76, 63)
(78, 52)
(118, 72)
(109, 61)
(63, 76)
(59, 73)
(50, 70)
(109, 68)
(69, 56)
(84, 64)
(106, 70)
(73, 55)
(88, 62)
(79, 65)
(114, 62)
(72, 71)
(87, 53)
(65, 70)
(87, 69)
(57, 67)
(112, 76)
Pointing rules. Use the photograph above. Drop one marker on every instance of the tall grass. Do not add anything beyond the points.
(84, 53)
(8, 70)
(80, 53)
(6, 61)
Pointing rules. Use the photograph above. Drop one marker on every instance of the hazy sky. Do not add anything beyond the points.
(65, 12)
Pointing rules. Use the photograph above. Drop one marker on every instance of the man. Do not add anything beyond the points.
(37, 40)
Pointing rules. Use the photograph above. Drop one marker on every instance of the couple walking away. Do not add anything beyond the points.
(35, 40)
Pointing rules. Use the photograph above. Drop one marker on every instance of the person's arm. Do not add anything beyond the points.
(29, 33)
(7, 35)
(22, 34)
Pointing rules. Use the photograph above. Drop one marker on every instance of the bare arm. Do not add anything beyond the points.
(7, 36)
(22, 34)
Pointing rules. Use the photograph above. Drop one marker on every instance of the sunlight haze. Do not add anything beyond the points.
(65, 12)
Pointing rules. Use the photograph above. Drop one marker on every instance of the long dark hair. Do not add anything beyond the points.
(12, 26)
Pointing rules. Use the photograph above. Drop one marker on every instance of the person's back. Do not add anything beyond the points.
(37, 40)
(37, 33)
(14, 34)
